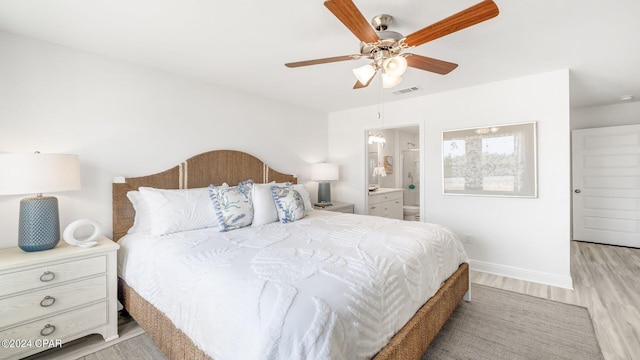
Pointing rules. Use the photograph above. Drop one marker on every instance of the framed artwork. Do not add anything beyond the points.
(388, 164)
(497, 160)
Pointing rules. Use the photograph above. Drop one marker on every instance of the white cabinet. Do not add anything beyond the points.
(50, 297)
(386, 203)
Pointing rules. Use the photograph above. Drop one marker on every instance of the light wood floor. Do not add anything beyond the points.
(606, 280)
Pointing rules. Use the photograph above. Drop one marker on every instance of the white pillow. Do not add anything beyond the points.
(173, 211)
(142, 219)
(289, 203)
(264, 208)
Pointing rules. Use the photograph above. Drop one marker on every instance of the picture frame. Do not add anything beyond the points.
(388, 164)
(497, 160)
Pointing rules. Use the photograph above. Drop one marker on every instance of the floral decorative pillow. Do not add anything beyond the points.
(305, 196)
(289, 203)
(233, 205)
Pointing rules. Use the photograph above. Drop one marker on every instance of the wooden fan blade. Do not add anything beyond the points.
(465, 18)
(430, 64)
(359, 85)
(322, 61)
(347, 12)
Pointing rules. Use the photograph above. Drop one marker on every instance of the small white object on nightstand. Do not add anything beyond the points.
(70, 237)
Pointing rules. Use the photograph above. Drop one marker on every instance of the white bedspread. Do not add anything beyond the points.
(329, 286)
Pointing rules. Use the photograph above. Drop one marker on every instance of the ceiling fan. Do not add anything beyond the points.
(386, 47)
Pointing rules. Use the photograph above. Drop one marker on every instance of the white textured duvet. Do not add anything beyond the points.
(329, 286)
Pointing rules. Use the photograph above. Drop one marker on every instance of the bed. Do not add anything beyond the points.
(164, 319)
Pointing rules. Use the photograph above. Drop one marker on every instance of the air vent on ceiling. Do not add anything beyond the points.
(406, 90)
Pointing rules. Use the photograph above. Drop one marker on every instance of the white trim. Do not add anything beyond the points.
(182, 175)
(522, 274)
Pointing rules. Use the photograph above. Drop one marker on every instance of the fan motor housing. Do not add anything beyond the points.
(381, 22)
(388, 42)
(388, 39)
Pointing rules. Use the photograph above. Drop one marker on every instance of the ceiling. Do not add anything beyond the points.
(244, 44)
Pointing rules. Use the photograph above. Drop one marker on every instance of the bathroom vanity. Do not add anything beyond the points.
(386, 202)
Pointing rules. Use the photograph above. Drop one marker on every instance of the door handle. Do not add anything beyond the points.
(577, 191)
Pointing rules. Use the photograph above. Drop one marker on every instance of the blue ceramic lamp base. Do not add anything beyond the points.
(39, 223)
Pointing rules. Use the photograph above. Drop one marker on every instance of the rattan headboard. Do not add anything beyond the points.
(213, 167)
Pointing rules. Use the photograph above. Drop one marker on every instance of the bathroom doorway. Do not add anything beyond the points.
(393, 164)
(411, 182)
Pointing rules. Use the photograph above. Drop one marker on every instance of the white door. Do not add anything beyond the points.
(606, 185)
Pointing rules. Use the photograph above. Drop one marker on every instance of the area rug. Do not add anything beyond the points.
(495, 325)
(500, 324)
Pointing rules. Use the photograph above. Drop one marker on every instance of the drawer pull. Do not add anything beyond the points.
(47, 330)
(47, 301)
(47, 276)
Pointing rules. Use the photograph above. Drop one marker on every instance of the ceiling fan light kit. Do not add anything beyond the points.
(395, 66)
(389, 81)
(384, 47)
(365, 73)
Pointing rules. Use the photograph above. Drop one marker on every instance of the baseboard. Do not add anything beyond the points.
(539, 277)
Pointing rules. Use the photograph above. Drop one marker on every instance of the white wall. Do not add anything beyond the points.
(127, 120)
(609, 115)
(522, 238)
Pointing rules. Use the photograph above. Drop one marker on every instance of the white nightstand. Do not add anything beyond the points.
(337, 207)
(51, 297)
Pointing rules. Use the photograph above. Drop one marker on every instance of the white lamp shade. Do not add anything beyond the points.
(389, 81)
(38, 173)
(324, 172)
(395, 66)
(364, 73)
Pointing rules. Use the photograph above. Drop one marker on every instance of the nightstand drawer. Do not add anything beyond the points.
(347, 209)
(37, 277)
(38, 303)
(56, 327)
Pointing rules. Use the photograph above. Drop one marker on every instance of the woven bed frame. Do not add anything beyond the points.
(216, 167)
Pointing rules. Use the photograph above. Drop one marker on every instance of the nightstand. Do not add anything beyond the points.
(50, 297)
(337, 207)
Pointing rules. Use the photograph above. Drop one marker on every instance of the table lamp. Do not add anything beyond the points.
(39, 225)
(323, 173)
